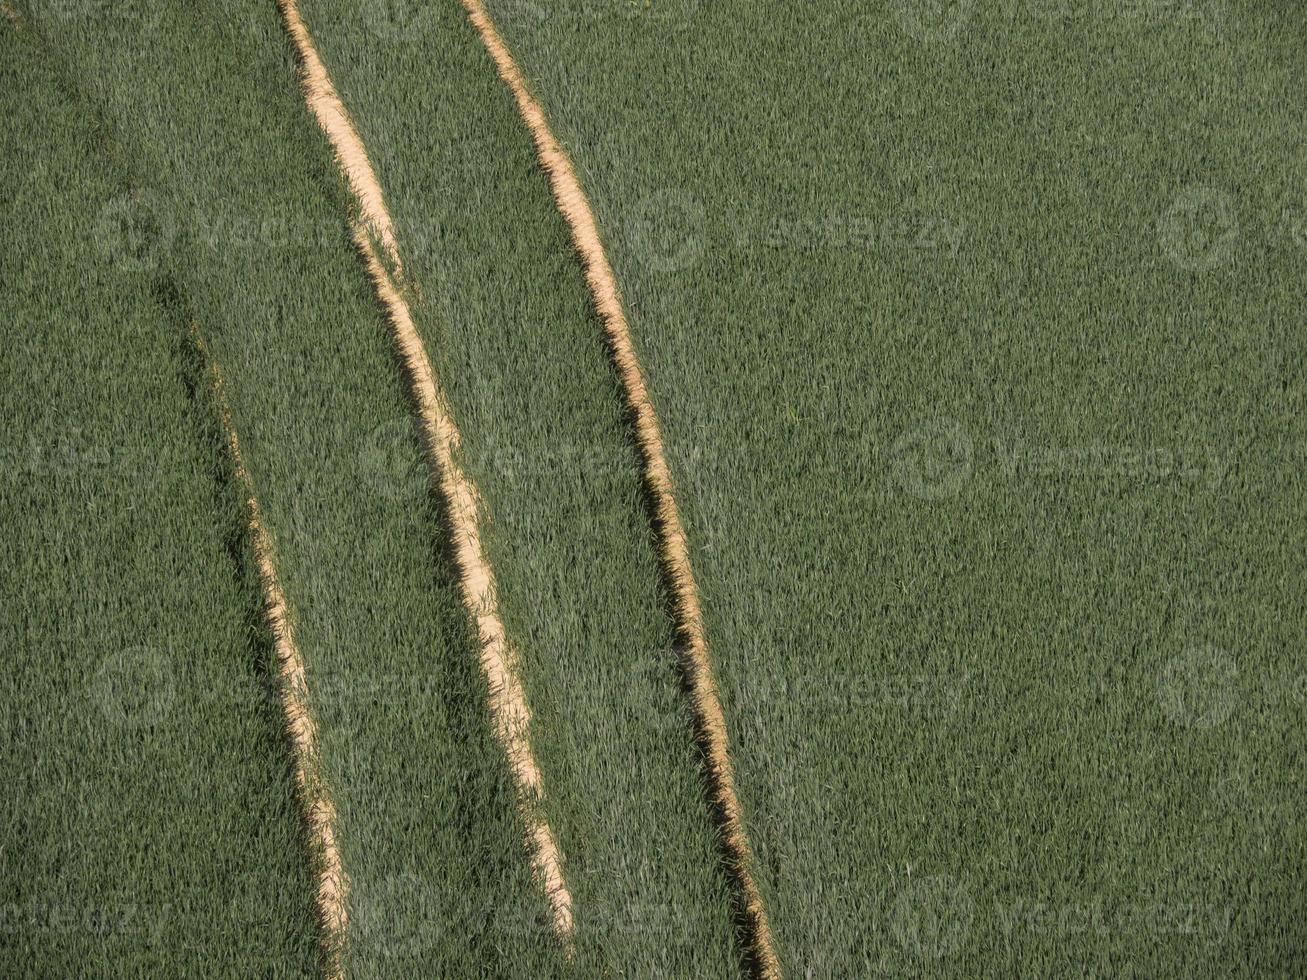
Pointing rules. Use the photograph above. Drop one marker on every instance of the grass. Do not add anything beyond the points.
(506, 318)
(975, 335)
(968, 517)
(150, 825)
(253, 221)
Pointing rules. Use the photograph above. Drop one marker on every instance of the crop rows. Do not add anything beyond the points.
(653, 489)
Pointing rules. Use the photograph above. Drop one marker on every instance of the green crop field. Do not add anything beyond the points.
(976, 333)
(148, 824)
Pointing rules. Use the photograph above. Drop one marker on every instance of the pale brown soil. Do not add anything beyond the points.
(317, 811)
(674, 555)
(507, 704)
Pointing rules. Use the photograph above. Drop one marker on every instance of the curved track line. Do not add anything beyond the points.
(674, 554)
(317, 810)
(509, 712)
(333, 117)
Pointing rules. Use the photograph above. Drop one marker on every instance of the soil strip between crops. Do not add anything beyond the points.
(509, 712)
(317, 811)
(674, 557)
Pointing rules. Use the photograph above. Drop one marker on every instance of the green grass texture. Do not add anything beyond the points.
(978, 329)
(975, 328)
(149, 823)
(241, 202)
(505, 313)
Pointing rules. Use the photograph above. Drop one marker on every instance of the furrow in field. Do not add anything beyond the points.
(919, 313)
(153, 831)
(330, 112)
(316, 808)
(673, 552)
(508, 708)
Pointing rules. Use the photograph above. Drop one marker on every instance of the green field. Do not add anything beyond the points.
(998, 458)
(148, 825)
(976, 332)
(262, 257)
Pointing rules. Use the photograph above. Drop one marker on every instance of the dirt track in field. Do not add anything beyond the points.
(509, 712)
(330, 112)
(673, 552)
(317, 811)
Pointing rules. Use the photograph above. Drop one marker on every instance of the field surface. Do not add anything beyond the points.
(983, 343)
(148, 817)
(975, 332)
(260, 252)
